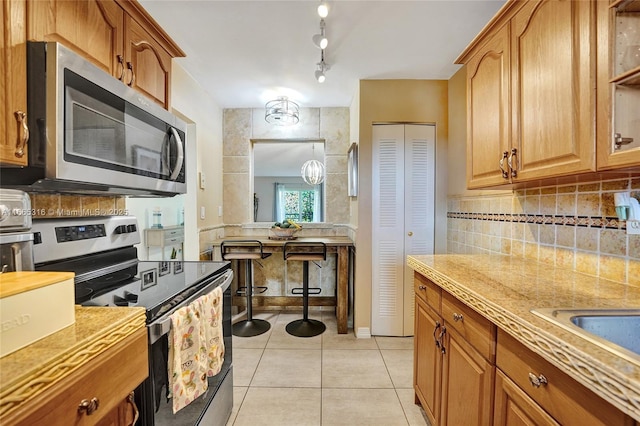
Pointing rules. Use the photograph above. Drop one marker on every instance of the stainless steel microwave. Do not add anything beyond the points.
(90, 133)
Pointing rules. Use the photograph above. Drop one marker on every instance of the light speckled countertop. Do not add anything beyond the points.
(504, 289)
(26, 372)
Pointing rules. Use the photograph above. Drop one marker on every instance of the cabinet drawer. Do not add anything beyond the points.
(569, 402)
(472, 326)
(427, 291)
(109, 377)
(164, 237)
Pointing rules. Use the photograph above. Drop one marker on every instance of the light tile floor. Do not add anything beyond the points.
(331, 379)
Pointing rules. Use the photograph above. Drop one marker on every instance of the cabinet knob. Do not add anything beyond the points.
(88, 406)
(422, 287)
(458, 317)
(410, 233)
(537, 381)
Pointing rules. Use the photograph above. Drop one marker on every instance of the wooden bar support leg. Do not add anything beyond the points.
(343, 289)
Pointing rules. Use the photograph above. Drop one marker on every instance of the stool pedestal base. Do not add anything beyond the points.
(305, 328)
(250, 328)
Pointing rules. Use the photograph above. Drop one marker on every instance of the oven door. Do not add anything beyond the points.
(214, 406)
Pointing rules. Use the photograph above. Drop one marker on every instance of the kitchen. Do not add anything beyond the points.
(597, 251)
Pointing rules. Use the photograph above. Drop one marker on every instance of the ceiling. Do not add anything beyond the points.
(245, 53)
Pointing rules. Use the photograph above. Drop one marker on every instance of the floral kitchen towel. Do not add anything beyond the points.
(212, 325)
(187, 366)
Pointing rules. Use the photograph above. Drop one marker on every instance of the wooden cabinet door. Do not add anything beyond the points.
(513, 407)
(148, 63)
(467, 384)
(553, 88)
(92, 28)
(13, 90)
(489, 112)
(428, 360)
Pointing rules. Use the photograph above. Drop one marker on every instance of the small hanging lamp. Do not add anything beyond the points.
(313, 171)
(282, 112)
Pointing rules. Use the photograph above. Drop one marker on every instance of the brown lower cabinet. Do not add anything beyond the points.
(469, 372)
(109, 378)
(453, 378)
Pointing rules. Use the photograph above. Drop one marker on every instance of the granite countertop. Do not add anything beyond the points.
(504, 289)
(32, 369)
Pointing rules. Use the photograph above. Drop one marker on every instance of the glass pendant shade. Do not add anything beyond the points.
(313, 172)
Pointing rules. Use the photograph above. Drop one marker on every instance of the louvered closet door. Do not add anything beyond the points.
(403, 204)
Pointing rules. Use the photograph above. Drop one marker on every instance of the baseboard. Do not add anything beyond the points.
(363, 333)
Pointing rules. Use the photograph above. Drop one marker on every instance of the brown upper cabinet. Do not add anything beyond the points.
(618, 118)
(531, 98)
(13, 93)
(116, 35)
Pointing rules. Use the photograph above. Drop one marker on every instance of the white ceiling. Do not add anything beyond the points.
(245, 53)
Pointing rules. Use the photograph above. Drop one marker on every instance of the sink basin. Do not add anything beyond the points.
(616, 330)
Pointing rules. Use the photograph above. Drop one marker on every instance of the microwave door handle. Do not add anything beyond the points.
(180, 161)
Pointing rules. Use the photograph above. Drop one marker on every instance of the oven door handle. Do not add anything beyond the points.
(162, 325)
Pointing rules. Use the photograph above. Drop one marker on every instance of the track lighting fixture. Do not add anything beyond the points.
(320, 40)
(322, 67)
(323, 10)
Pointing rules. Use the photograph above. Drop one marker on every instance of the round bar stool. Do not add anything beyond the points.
(247, 250)
(306, 252)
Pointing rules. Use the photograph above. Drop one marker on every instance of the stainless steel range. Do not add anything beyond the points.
(101, 251)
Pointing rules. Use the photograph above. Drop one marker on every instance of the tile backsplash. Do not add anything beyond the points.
(64, 206)
(570, 226)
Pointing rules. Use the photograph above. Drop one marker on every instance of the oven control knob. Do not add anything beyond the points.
(131, 228)
(120, 301)
(130, 297)
(121, 229)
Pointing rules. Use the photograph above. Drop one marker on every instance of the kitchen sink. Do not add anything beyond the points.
(616, 330)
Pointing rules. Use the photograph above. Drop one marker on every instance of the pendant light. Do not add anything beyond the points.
(313, 171)
(282, 112)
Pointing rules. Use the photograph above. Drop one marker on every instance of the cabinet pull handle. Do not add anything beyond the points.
(537, 381)
(458, 317)
(618, 141)
(134, 408)
(441, 338)
(510, 162)
(88, 406)
(422, 287)
(133, 74)
(23, 133)
(501, 163)
(435, 330)
(123, 69)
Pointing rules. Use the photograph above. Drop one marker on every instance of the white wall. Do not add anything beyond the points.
(204, 153)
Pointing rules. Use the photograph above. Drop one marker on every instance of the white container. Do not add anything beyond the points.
(34, 305)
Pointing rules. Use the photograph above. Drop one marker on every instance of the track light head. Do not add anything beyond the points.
(323, 10)
(320, 41)
(320, 76)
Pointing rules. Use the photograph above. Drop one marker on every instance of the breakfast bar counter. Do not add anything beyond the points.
(335, 244)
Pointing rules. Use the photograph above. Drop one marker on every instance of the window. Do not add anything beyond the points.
(298, 202)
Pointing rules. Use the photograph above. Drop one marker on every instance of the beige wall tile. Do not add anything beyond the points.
(613, 268)
(587, 263)
(587, 239)
(615, 185)
(548, 204)
(613, 242)
(566, 236)
(588, 204)
(565, 258)
(566, 205)
(633, 273)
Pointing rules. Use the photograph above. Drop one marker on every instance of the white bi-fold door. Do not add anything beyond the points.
(403, 220)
